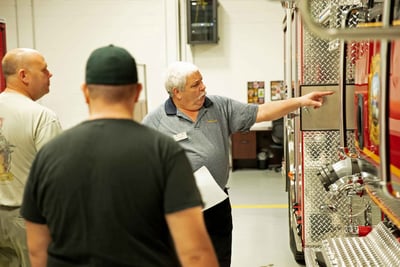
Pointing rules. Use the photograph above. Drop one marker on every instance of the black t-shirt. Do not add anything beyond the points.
(103, 188)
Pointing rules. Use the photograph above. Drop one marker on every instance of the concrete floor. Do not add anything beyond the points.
(260, 219)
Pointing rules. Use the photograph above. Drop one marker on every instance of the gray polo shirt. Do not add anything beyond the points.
(207, 140)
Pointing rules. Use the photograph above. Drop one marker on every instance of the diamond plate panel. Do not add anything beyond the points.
(320, 64)
(327, 215)
(321, 58)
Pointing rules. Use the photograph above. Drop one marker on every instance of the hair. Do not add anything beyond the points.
(16, 59)
(11, 62)
(111, 93)
(176, 74)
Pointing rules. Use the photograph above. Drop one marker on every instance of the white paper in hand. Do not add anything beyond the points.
(210, 191)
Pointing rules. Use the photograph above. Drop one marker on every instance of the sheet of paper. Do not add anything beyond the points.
(210, 191)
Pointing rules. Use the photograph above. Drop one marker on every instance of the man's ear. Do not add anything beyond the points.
(22, 74)
(138, 90)
(85, 91)
(176, 93)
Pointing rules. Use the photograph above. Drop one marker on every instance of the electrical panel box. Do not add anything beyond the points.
(202, 21)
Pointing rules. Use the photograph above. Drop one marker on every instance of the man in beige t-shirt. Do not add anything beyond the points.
(25, 126)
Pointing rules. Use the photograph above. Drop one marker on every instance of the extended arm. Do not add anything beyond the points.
(192, 243)
(38, 236)
(276, 109)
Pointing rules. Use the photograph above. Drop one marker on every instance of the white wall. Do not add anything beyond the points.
(66, 31)
(250, 48)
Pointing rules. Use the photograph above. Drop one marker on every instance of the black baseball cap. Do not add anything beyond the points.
(111, 65)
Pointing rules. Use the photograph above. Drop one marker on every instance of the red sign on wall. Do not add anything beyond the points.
(2, 52)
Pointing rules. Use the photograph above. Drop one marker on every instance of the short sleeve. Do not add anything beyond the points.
(29, 208)
(49, 127)
(181, 191)
(240, 116)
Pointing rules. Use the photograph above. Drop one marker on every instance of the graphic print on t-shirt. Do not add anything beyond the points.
(5, 157)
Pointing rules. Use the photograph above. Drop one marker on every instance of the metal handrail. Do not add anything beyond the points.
(378, 33)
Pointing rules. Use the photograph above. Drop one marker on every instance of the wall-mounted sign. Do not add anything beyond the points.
(256, 92)
(277, 90)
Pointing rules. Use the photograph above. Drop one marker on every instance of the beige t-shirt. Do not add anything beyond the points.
(25, 126)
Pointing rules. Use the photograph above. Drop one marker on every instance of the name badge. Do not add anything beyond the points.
(180, 136)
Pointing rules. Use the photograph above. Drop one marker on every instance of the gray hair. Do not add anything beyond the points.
(176, 74)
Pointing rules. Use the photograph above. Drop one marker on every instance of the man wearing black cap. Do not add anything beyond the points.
(112, 192)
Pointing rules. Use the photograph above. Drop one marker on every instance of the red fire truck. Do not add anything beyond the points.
(342, 161)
